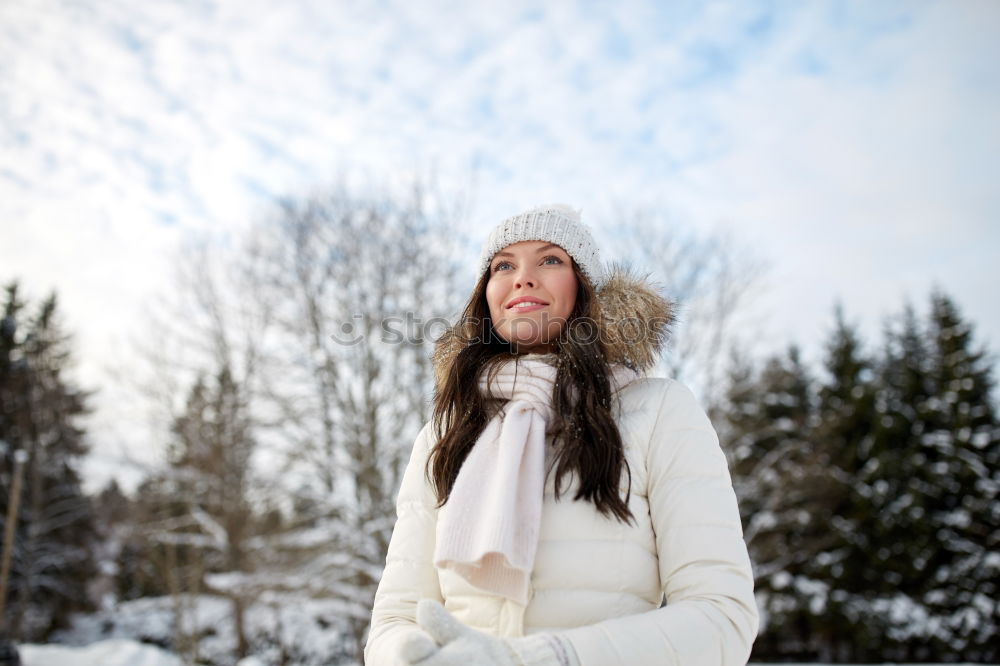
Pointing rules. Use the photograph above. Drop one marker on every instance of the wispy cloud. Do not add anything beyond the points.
(854, 144)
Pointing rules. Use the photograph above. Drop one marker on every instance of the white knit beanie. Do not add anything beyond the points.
(555, 223)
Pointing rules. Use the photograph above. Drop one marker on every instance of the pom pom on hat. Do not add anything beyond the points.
(555, 223)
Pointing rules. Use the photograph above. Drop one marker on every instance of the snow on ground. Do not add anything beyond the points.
(114, 652)
(299, 630)
(123, 652)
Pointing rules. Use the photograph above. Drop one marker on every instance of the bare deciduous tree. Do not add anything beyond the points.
(199, 506)
(357, 285)
(710, 277)
(319, 323)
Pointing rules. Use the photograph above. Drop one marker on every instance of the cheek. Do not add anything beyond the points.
(494, 298)
(565, 291)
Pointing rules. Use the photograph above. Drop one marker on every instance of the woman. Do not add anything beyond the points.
(558, 497)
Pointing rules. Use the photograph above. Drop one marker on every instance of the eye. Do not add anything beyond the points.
(552, 259)
(500, 266)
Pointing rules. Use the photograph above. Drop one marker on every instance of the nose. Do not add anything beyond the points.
(525, 277)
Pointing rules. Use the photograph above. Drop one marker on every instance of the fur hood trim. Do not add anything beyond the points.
(634, 323)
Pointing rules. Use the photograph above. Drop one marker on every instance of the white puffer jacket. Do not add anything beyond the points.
(597, 581)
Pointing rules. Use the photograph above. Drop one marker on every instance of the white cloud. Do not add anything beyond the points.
(854, 145)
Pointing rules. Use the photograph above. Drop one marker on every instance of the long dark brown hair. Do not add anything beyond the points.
(586, 438)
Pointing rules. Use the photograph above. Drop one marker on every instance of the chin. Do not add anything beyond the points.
(534, 347)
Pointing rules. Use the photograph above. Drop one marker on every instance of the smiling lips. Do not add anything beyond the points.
(526, 304)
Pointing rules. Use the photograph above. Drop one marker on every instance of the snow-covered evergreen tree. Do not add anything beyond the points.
(197, 515)
(919, 581)
(961, 442)
(870, 498)
(780, 487)
(40, 411)
(843, 434)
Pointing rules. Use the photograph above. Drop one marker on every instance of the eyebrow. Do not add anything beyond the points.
(541, 249)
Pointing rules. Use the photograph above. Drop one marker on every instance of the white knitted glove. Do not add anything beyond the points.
(445, 641)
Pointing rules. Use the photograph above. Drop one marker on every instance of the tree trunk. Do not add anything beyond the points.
(239, 612)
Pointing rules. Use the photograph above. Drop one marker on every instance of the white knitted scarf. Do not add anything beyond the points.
(487, 532)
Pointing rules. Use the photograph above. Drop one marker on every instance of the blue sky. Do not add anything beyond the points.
(854, 146)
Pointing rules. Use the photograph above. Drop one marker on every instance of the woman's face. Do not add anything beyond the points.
(531, 293)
